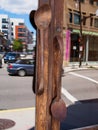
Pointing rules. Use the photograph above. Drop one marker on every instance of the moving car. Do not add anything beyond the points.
(11, 57)
(21, 67)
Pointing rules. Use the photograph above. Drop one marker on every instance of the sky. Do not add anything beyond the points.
(19, 9)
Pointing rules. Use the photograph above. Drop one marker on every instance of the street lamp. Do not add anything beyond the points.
(78, 4)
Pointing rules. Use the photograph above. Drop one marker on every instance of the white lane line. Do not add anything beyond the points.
(69, 96)
(84, 77)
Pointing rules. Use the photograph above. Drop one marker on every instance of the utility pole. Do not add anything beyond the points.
(80, 36)
(50, 108)
(81, 44)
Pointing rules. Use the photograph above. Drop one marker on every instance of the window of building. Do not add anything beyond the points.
(82, 1)
(84, 18)
(21, 29)
(4, 26)
(91, 2)
(5, 31)
(91, 21)
(12, 34)
(76, 18)
(97, 3)
(96, 23)
(4, 20)
(21, 35)
(11, 29)
(70, 17)
(21, 23)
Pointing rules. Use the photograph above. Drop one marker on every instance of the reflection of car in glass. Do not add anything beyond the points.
(21, 67)
(11, 57)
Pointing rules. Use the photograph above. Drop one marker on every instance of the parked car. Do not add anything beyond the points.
(11, 57)
(21, 67)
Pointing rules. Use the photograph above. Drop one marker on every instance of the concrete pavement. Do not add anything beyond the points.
(24, 119)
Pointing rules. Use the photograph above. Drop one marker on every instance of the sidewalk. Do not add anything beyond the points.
(17, 119)
(24, 119)
(75, 66)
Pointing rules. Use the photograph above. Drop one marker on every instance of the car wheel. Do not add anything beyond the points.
(21, 73)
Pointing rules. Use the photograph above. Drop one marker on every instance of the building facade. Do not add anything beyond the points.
(71, 31)
(2, 42)
(14, 23)
(15, 28)
(24, 35)
(5, 26)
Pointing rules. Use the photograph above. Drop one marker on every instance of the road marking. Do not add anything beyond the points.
(69, 96)
(18, 109)
(84, 77)
(90, 127)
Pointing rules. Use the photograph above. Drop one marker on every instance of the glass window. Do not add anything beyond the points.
(4, 26)
(21, 35)
(12, 34)
(91, 21)
(70, 17)
(96, 22)
(91, 2)
(5, 31)
(76, 19)
(4, 20)
(21, 29)
(21, 23)
(82, 1)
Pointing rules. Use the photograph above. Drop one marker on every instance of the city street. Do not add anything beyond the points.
(79, 91)
(80, 85)
(15, 91)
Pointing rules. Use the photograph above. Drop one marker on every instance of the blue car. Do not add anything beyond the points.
(11, 57)
(21, 67)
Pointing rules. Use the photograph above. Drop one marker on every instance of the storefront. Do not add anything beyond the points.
(90, 46)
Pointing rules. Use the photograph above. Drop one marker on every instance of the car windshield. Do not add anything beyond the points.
(11, 54)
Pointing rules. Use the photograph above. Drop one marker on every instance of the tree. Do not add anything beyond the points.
(17, 45)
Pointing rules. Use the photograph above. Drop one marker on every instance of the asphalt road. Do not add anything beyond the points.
(15, 91)
(80, 85)
(79, 91)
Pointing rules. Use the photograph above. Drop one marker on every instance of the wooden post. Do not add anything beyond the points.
(44, 119)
